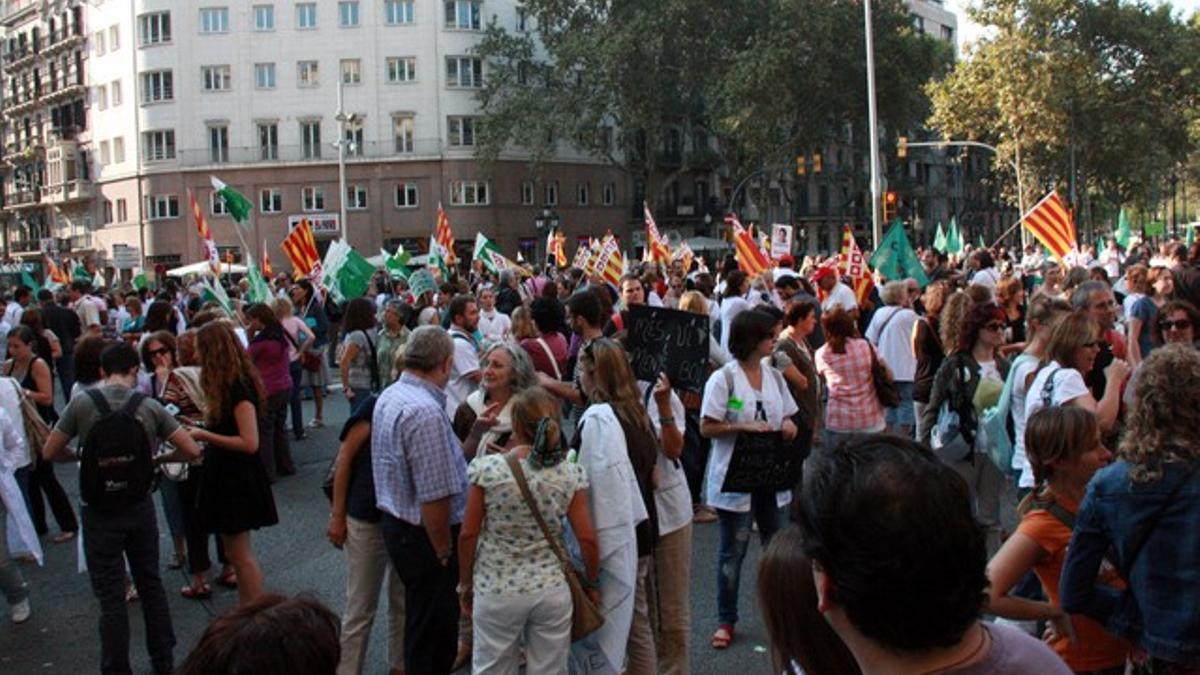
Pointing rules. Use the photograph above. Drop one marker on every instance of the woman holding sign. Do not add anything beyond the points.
(746, 396)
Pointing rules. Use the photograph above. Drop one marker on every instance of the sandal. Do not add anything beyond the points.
(462, 657)
(316, 423)
(131, 594)
(200, 591)
(723, 637)
(64, 537)
(228, 579)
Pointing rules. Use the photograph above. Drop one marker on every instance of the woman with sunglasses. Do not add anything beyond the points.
(1145, 312)
(158, 360)
(1176, 323)
(970, 381)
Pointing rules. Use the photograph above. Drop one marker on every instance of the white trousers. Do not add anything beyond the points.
(366, 564)
(539, 621)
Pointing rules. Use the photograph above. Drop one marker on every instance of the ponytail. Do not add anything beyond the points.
(548, 447)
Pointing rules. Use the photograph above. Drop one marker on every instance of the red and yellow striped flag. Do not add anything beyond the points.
(266, 262)
(1051, 223)
(851, 263)
(55, 273)
(610, 263)
(657, 250)
(301, 249)
(443, 235)
(556, 247)
(210, 246)
(749, 256)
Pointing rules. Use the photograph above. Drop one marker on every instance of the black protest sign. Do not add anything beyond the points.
(762, 461)
(662, 340)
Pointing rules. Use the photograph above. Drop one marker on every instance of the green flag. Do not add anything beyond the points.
(27, 280)
(354, 277)
(258, 290)
(216, 293)
(489, 254)
(982, 243)
(1156, 228)
(139, 280)
(396, 263)
(436, 260)
(939, 241)
(1123, 233)
(1191, 235)
(236, 204)
(954, 242)
(80, 273)
(896, 259)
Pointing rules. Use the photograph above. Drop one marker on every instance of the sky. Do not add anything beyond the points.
(968, 31)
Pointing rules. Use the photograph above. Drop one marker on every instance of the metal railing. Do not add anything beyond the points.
(421, 149)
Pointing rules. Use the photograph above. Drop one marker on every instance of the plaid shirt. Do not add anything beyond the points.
(414, 454)
(853, 404)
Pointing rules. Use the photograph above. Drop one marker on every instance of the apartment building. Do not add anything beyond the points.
(248, 91)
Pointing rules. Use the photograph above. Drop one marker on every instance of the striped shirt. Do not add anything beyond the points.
(415, 456)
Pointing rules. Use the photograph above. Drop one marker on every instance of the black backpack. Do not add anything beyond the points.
(116, 467)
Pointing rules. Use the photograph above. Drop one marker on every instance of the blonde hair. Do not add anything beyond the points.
(1164, 424)
(694, 302)
(283, 308)
(522, 324)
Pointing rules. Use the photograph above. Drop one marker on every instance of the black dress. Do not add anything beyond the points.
(235, 495)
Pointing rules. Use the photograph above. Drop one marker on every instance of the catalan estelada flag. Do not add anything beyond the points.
(443, 235)
(851, 263)
(1051, 223)
(301, 249)
(749, 256)
(210, 246)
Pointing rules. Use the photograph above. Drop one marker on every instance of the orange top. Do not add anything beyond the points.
(1095, 648)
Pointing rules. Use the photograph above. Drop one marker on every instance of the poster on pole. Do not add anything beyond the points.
(781, 241)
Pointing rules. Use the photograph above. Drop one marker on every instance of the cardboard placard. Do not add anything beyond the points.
(762, 461)
(671, 341)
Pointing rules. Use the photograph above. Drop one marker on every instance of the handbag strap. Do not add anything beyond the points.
(514, 465)
(550, 355)
(887, 321)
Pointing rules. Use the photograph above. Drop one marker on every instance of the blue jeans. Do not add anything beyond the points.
(735, 540)
(297, 412)
(172, 506)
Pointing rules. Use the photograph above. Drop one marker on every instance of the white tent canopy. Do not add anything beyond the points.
(203, 268)
(707, 244)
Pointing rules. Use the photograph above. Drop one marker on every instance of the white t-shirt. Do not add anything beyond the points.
(1020, 461)
(840, 296)
(1068, 386)
(987, 277)
(466, 362)
(895, 341)
(718, 404)
(730, 308)
(672, 500)
(12, 313)
(494, 326)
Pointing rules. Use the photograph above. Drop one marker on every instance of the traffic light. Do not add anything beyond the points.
(890, 201)
(902, 147)
(817, 162)
(801, 165)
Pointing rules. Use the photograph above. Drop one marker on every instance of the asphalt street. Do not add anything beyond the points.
(62, 635)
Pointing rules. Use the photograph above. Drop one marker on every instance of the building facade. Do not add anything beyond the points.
(248, 91)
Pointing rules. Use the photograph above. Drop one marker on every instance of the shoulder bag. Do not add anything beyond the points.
(885, 387)
(586, 618)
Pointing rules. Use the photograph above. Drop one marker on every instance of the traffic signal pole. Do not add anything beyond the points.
(873, 120)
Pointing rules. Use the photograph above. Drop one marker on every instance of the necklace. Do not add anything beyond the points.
(983, 641)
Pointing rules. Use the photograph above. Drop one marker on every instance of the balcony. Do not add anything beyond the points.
(421, 149)
(19, 58)
(70, 192)
(63, 85)
(16, 200)
(78, 242)
(24, 246)
(62, 39)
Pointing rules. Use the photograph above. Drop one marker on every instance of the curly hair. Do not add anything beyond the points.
(1164, 312)
(974, 322)
(222, 363)
(1164, 424)
(951, 318)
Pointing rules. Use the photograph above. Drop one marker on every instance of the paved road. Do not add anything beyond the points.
(62, 636)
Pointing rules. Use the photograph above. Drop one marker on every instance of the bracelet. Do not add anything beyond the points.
(664, 421)
(589, 584)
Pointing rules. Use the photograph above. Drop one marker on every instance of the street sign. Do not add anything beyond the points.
(781, 241)
(126, 257)
(322, 224)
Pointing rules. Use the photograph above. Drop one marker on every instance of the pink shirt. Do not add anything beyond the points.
(853, 404)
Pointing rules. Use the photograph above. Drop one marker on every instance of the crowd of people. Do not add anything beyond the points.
(998, 468)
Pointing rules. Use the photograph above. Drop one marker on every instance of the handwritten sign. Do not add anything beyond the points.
(669, 341)
(762, 461)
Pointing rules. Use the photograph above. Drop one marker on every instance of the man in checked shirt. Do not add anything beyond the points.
(420, 477)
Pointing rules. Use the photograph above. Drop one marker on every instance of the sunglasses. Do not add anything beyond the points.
(1181, 324)
(158, 352)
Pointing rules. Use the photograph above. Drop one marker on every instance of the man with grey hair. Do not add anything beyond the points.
(891, 332)
(508, 298)
(420, 478)
(1096, 299)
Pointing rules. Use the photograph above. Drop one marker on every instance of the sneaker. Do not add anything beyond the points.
(21, 611)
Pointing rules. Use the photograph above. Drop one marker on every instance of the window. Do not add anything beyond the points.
(159, 207)
(98, 42)
(216, 78)
(122, 210)
(308, 73)
(270, 200)
(469, 193)
(102, 97)
(268, 140)
(158, 145)
(118, 149)
(306, 15)
(462, 71)
(583, 193)
(114, 38)
(609, 194)
(216, 205)
(401, 69)
(356, 197)
(264, 17)
(947, 33)
(218, 143)
(397, 12)
(312, 199)
(116, 93)
(551, 193)
(463, 14)
(406, 196)
(107, 216)
(158, 86)
(348, 14)
(461, 131)
(527, 193)
(354, 139)
(402, 129)
(154, 28)
(310, 139)
(522, 20)
(105, 154)
(264, 75)
(351, 71)
(214, 19)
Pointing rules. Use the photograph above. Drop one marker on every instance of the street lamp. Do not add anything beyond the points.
(545, 222)
(707, 224)
(344, 121)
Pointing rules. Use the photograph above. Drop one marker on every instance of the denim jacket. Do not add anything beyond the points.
(1160, 611)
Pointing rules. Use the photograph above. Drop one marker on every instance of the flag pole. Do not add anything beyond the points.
(1021, 220)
